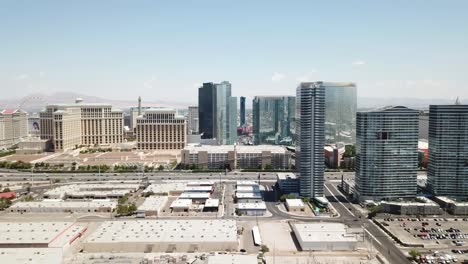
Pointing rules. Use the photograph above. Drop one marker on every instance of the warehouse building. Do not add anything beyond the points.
(152, 206)
(236, 157)
(295, 205)
(248, 197)
(232, 259)
(91, 191)
(252, 209)
(172, 189)
(324, 236)
(39, 234)
(164, 236)
(181, 205)
(211, 205)
(60, 206)
(31, 255)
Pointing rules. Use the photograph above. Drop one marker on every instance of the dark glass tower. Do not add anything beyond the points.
(387, 153)
(242, 111)
(310, 112)
(207, 110)
(447, 173)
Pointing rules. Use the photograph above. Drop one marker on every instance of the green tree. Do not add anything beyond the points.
(132, 208)
(160, 168)
(6, 190)
(414, 254)
(264, 249)
(350, 151)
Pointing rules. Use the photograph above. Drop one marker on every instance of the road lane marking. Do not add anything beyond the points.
(376, 240)
(339, 201)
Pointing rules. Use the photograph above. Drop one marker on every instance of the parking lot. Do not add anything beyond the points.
(440, 236)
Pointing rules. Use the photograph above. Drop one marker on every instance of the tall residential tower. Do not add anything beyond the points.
(447, 173)
(310, 112)
(387, 153)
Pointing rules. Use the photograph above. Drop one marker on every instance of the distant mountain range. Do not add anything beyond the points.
(36, 102)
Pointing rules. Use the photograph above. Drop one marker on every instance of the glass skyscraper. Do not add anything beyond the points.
(387, 153)
(447, 173)
(217, 112)
(242, 111)
(310, 112)
(340, 112)
(274, 119)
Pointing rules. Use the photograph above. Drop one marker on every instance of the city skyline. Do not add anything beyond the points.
(133, 51)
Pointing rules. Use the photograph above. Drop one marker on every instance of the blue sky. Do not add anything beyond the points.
(164, 49)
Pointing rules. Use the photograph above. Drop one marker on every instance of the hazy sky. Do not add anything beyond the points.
(165, 49)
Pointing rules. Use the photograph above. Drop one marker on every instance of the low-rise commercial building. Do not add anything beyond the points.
(288, 182)
(232, 259)
(164, 236)
(334, 155)
(152, 206)
(60, 206)
(421, 206)
(196, 197)
(236, 157)
(31, 145)
(252, 208)
(211, 205)
(91, 191)
(324, 236)
(173, 189)
(452, 206)
(295, 205)
(181, 205)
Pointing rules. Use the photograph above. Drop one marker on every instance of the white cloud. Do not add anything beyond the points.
(308, 76)
(23, 76)
(277, 77)
(359, 62)
(41, 74)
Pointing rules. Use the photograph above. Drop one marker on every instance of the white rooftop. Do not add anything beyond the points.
(31, 255)
(232, 259)
(198, 189)
(55, 234)
(248, 195)
(286, 175)
(181, 203)
(53, 203)
(86, 189)
(169, 231)
(153, 203)
(212, 203)
(248, 188)
(194, 195)
(200, 183)
(252, 206)
(165, 187)
(294, 203)
(247, 183)
(322, 232)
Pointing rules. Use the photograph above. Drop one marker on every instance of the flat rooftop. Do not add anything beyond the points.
(294, 203)
(153, 203)
(169, 231)
(212, 203)
(194, 195)
(249, 188)
(85, 189)
(232, 259)
(322, 232)
(52, 234)
(247, 183)
(181, 203)
(286, 176)
(31, 255)
(248, 195)
(165, 187)
(252, 206)
(198, 189)
(53, 203)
